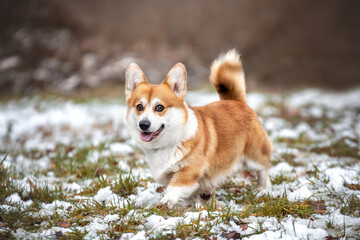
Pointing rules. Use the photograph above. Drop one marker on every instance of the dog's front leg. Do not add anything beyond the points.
(183, 184)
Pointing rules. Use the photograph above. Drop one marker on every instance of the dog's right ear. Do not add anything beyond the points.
(176, 79)
(133, 77)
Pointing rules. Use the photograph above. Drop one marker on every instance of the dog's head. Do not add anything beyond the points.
(156, 113)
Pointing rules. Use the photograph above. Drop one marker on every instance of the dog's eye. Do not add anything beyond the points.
(159, 108)
(139, 107)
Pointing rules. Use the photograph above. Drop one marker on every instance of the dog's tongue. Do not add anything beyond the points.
(146, 136)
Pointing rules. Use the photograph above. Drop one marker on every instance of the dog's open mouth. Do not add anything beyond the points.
(148, 136)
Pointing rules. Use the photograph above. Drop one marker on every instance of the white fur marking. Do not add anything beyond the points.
(231, 56)
(143, 101)
(191, 125)
(175, 194)
(254, 166)
(154, 102)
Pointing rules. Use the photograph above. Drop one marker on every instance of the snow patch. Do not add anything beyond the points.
(300, 194)
(104, 194)
(121, 149)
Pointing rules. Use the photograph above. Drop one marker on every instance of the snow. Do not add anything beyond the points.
(293, 133)
(73, 187)
(158, 224)
(301, 231)
(95, 226)
(148, 197)
(111, 217)
(14, 198)
(338, 176)
(33, 124)
(59, 206)
(104, 194)
(44, 122)
(139, 236)
(274, 124)
(121, 149)
(300, 194)
(336, 101)
(254, 100)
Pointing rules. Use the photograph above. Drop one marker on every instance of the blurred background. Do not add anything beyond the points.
(71, 46)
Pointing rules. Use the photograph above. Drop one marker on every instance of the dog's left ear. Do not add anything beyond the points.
(134, 76)
(176, 79)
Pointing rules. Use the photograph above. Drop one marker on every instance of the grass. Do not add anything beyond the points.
(130, 224)
(192, 230)
(287, 157)
(338, 149)
(76, 164)
(233, 204)
(95, 186)
(126, 185)
(106, 92)
(279, 207)
(302, 142)
(7, 184)
(280, 178)
(16, 217)
(43, 193)
(350, 206)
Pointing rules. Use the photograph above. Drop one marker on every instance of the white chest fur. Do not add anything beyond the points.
(167, 159)
(163, 161)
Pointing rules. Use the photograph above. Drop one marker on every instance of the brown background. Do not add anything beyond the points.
(284, 44)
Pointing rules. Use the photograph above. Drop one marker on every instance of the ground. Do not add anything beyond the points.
(69, 170)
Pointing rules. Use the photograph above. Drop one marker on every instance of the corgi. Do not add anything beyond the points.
(193, 150)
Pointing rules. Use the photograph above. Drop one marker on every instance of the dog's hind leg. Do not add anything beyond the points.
(263, 180)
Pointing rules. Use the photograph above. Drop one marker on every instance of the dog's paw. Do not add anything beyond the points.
(166, 202)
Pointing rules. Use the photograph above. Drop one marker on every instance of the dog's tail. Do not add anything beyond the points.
(227, 76)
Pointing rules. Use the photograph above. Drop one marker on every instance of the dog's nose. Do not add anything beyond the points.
(144, 124)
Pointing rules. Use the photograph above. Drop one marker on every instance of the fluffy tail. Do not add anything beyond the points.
(227, 77)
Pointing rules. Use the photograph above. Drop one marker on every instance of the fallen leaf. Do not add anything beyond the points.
(160, 189)
(231, 235)
(59, 234)
(353, 186)
(319, 206)
(329, 237)
(88, 213)
(99, 172)
(63, 224)
(243, 225)
(213, 238)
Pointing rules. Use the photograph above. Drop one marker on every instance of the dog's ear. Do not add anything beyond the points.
(176, 79)
(133, 77)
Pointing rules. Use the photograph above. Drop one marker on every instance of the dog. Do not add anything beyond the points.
(193, 150)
